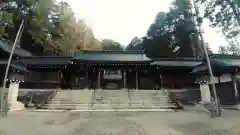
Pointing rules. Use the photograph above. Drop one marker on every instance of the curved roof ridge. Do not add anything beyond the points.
(179, 58)
(7, 45)
(47, 57)
(113, 51)
(225, 56)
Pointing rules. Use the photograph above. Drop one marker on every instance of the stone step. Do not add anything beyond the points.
(75, 91)
(114, 98)
(66, 107)
(110, 99)
(76, 101)
(152, 95)
(106, 105)
(105, 108)
(103, 100)
(109, 103)
(111, 95)
(149, 96)
(151, 103)
(74, 94)
(66, 96)
(144, 92)
(72, 98)
(108, 94)
(52, 105)
(132, 101)
(63, 102)
(126, 93)
(137, 100)
(149, 93)
(136, 105)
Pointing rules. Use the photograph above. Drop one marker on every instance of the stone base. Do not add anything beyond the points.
(202, 107)
(17, 106)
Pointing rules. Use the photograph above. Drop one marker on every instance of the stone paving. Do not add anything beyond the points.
(119, 123)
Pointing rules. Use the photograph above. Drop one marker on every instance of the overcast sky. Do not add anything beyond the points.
(122, 20)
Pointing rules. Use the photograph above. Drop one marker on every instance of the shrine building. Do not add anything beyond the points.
(123, 70)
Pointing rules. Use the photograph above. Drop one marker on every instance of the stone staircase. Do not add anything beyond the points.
(70, 100)
(150, 99)
(110, 100)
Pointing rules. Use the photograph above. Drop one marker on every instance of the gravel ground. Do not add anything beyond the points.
(119, 123)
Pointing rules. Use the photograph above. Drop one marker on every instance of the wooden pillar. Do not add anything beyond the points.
(86, 79)
(136, 79)
(99, 80)
(161, 77)
(124, 79)
(62, 80)
(235, 87)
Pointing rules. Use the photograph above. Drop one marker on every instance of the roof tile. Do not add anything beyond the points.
(117, 56)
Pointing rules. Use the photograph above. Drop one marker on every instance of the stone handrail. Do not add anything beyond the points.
(46, 99)
(93, 97)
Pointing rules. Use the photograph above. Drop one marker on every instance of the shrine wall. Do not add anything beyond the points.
(43, 80)
(179, 82)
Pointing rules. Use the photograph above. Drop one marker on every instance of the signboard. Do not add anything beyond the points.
(112, 74)
(225, 78)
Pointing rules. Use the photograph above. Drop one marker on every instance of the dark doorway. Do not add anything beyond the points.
(226, 93)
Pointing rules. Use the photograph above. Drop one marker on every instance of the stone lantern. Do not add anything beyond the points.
(16, 76)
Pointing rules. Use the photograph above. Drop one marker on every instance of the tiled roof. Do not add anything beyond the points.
(178, 62)
(224, 56)
(3, 63)
(45, 61)
(111, 56)
(219, 64)
(7, 46)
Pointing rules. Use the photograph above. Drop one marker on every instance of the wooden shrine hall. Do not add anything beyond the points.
(117, 70)
(107, 70)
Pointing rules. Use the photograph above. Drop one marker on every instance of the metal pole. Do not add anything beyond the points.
(215, 105)
(3, 95)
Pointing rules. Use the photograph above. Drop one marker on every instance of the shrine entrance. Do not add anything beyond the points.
(112, 79)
